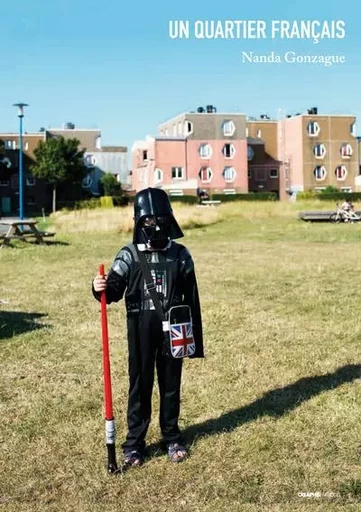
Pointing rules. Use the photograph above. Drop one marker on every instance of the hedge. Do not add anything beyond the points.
(337, 196)
(251, 196)
(184, 199)
(330, 196)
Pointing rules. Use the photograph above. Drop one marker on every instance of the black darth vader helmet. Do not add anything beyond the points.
(153, 204)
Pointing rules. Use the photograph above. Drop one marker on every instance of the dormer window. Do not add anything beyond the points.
(187, 128)
(313, 129)
(228, 128)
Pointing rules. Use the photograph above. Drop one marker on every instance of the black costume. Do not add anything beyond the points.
(172, 269)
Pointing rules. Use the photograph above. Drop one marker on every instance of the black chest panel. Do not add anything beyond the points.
(165, 270)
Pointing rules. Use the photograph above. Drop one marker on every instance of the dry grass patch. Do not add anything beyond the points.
(272, 413)
(120, 220)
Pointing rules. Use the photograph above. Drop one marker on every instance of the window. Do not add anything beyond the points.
(229, 191)
(250, 153)
(320, 172)
(98, 142)
(205, 151)
(10, 144)
(187, 127)
(319, 150)
(158, 175)
(145, 155)
(228, 128)
(228, 151)
(313, 129)
(177, 173)
(353, 129)
(205, 174)
(249, 173)
(346, 189)
(229, 174)
(273, 173)
(247, 132)
(341, 172)
(259, 133)
(30, 182)
(346, 150)
(26, 146)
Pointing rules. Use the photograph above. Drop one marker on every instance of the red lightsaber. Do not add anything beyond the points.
(109, 417)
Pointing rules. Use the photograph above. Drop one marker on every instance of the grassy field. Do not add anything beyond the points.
(272, 414)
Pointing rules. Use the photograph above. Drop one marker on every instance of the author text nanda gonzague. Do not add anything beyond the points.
(291, 57)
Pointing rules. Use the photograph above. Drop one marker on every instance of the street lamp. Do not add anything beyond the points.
(21, 197)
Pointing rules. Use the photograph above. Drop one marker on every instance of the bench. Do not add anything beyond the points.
(15, 233)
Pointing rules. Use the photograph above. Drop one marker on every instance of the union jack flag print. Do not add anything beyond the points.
(181, 340)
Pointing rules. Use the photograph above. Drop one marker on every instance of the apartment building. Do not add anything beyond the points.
(318, 151)
(33, 190)
(200, 149)
(98, 160)
(314, 151)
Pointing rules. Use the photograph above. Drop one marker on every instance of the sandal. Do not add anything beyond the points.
(132, 459)
(177, 452)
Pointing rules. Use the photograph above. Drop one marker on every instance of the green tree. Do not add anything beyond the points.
(58, 160)
(110, 184)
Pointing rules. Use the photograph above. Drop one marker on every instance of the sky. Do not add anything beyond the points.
(112, 65)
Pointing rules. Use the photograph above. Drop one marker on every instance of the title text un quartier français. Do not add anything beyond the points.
(257, 29)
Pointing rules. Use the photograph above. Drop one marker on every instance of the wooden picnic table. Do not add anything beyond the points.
(22, 230)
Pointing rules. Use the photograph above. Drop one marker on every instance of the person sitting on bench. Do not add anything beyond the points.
(202, 195)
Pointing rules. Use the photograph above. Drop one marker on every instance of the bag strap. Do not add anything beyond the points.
(149, 283)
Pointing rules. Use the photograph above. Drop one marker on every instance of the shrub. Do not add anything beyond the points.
(106, 202)
(110, 184)
(184, 199)
(308, 194)
(339, 196)
(250, 196)
(120, 200)
(89, 204)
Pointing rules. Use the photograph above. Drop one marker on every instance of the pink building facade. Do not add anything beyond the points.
(317, 151)
(206, 150)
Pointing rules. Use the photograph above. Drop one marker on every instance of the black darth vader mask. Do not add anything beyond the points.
(155, 231)
(153, 218)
